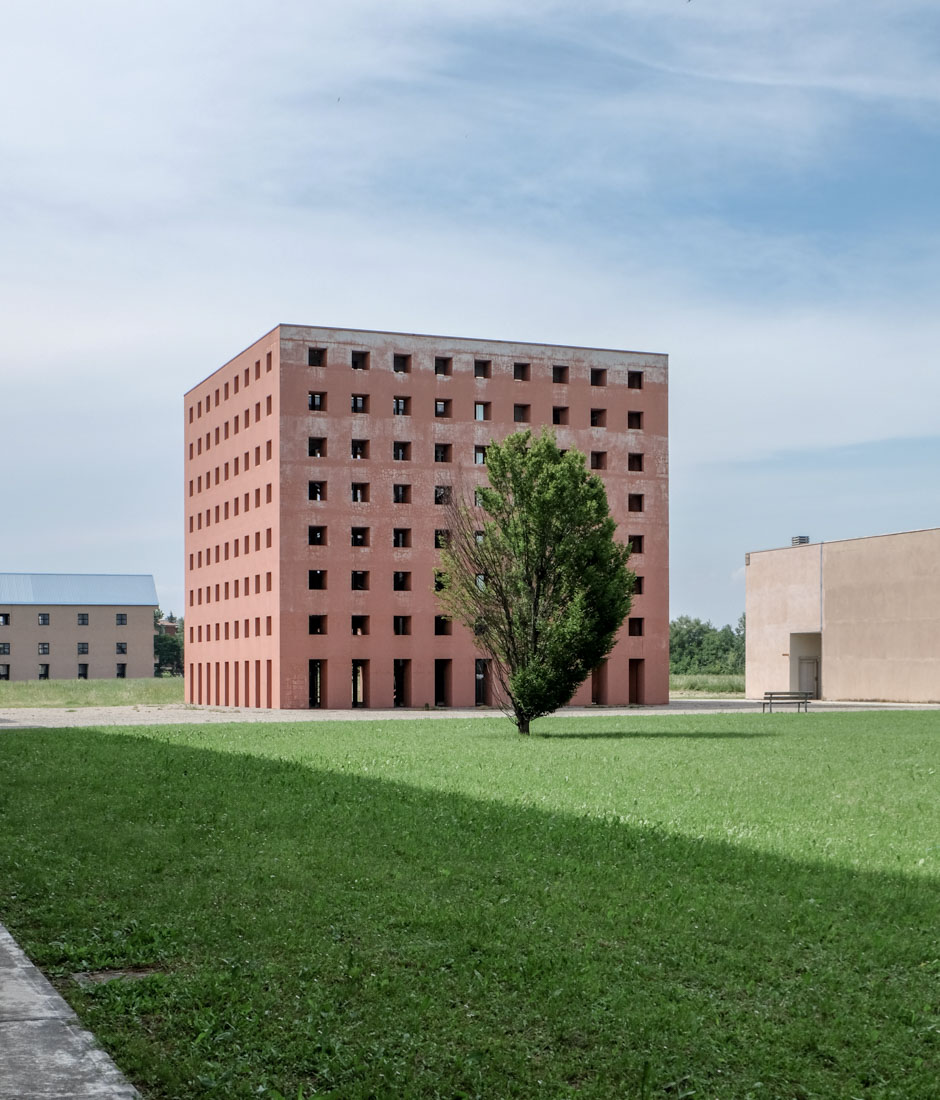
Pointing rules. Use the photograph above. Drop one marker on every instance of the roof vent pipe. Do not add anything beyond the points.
(799, 540)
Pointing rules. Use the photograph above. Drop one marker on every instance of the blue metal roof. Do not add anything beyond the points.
(86, 589)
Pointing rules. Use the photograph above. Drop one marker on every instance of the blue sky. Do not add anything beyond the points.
(751, 188)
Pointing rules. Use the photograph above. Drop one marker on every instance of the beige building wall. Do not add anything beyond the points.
(868, 609)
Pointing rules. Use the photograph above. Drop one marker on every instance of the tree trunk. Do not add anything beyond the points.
(522, 724)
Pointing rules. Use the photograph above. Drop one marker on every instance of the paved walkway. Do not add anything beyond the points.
(44, 1053)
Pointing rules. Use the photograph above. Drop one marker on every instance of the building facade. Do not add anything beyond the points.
(67, 626)
(857, 619)
(319, 463)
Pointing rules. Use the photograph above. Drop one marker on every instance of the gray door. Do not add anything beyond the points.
(809, 675)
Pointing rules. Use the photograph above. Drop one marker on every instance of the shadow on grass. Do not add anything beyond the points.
(361, 938)
(657, 735)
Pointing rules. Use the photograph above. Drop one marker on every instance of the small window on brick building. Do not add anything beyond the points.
(44, 649)
(316, 579)
(401, 537)
(560, 414)
(360, 360)
(634, 380)
(521, 413)
(482, 368)
(598, 418)
(443, 365)
(598, 376)
(401, 624)
(83, 618)
(5, 648)
(441, 625)
(316, 624)
(401, 364)
(598, 460)
(442, 407)
(316, 446)
(316, 402)
(401, 451)
(316, 490)
(560, 374)
(635, 461)
(441, 538)
(359, 448)
(401, 406)
(316, 536)
(479, 456)
(359, 580)
(5, 669)
(120, 672)
(442, 494)
(120, 647)
(401, 494)
(359, 403)
(635, 627)
(120, 619)
(359, 536)
(636, 543)
(637, 586)
(316, 357)
(359, 624)
(635, 502)
(442, 452)
(634, 420)
(43, 618)
(6, 618)
(360, 492)
(481, 410)
(521, 372)
(401, 581)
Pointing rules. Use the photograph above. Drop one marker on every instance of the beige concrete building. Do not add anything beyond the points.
(68, 626)
(856, 619)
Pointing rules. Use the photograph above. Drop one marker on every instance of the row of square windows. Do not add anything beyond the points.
(360, 493)
(222, 511)
(317, 401)
(482, 368)
(44, 648)
(44, 618)
(196, 449)
(359, 581)
(195, 560)
(222, 393)
(120, 672)
(359, 449)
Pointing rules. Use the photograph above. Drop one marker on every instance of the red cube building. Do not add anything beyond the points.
(317, 464)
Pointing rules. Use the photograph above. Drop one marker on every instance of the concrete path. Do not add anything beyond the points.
(44, 1053)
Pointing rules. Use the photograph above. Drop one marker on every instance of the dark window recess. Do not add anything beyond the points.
(635, 628)
(359, 580)
(560, 414)
(441, 625)
(401, 494)
(359, 402)
(636, 543)
(316, 536)
(442, 452)
(441, 538)
(316, 490)
(44, 671)
(316, 624)
(442, 407)
(634, 380)
(635, 461)
(401, 537)
(359, 536)
(316, 447)
(83, 618)
(482, 368)
(43, 618)
(443, 365)
(598, 376)
(560, 374)
(83, 672)
(521, 372)
(316, 357)
(401, 364)
(316, 402)
(401, 581)
(401, 624)
(120, 672)
(360, 360)
(359, 448)
(360, 492)
(442, 494)
(316, 579)
(598, 460)
(521, 413)
(401, 451)
(637, 586)
(120, 619)
(120, 647)
(359, 624)
(635, 421)
(481, 410)
(598, 418)
(635, 502)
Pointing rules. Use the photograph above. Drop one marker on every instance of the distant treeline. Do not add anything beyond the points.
(695, 646)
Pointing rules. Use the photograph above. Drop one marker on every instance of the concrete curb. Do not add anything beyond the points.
(45, 1054)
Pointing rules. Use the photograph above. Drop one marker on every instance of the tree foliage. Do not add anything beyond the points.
(532, 567)
(168, 648)
(696, 646)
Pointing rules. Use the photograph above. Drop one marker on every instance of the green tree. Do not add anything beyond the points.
(532, 567)
(697, 646)
(168, 648)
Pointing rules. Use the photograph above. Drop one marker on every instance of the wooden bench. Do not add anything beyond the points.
(785, 698)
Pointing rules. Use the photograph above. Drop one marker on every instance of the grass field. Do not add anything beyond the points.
(706, 683)
(91, 693)
(722, 906)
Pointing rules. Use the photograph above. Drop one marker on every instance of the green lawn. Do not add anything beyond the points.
(91, 693)
(723, 906)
